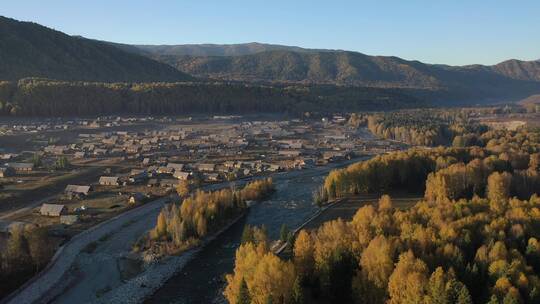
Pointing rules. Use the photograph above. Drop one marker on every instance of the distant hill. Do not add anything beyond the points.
(510, 79)
(516, 69)
(215, 49)
(31, 50)
(337, 67)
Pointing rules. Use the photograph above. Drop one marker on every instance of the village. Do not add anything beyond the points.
(76, 173)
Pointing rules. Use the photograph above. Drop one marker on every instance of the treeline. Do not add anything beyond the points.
(445, 172)
(43, 97)
(428, 127)
(462, 180)
(509, 158)
(181, 226)
(399, 170)
(26, 251)
(484, 250)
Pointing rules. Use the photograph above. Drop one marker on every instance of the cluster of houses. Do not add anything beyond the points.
(80, 192)
(55, 124)
(169, 175)
(208, 152)
(267, 146)
(280, 138)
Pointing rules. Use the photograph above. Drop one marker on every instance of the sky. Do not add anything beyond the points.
(455, 32)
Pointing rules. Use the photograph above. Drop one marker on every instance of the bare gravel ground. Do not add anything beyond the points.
(98, 272)
(51, 281)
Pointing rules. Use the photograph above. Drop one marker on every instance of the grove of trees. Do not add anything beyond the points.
(445, 172)
(426, 127)
(182, 226)
(27, 250)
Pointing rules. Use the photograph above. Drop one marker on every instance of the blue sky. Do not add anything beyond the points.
(452, 32)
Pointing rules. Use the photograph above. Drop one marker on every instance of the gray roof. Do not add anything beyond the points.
(108, 179)
(20, 165)
(175, 166)
(169, 182)
(51, 209)
(181, 174)
(77, 189)
(208, 167)
(135, 172)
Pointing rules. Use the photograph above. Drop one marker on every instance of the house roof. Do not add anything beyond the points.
(51, 209)
(175, 166)
(108, 179)
(77, 189)
(172, 182)
(20, 165)
(206, 166)
(135, 172)
(181, 174)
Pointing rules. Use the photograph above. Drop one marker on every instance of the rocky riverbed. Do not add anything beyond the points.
(155, 274)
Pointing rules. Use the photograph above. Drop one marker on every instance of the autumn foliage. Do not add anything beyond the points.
(266, 276)
(474, 238)
(26, 251)
(446, 173)
(181, 226)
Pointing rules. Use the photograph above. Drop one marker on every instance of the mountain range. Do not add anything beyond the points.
(255, 62)
(269, 63)
(30, 50)
(212, 49)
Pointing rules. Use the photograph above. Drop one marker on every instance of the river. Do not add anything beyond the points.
(202, 279)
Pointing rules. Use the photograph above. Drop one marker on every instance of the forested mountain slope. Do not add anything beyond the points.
(352, 68)
(516, 69)
(31, 50)
(511, 79)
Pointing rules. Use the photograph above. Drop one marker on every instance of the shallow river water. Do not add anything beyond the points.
(202, 279)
